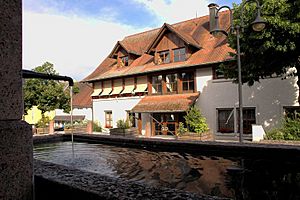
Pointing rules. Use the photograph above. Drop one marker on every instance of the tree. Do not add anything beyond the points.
(273, 51)
(47, 95)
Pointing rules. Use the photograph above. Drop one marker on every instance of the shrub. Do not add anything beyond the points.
(195, 121)
(181, 129)
(43, 122)
(97, 127)
(290, 130)
(123, 124)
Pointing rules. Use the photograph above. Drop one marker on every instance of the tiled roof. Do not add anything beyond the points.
(83, 98)
(166, 103)
(68, 118)
(194, 31)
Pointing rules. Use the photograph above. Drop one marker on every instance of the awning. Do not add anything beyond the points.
(129, 86)
(67, 118)
(165, 103)
(97, 89)
(107, 88)
(142, 84)
(118, 87)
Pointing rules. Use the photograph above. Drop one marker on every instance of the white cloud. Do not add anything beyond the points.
(76, 46)
(172, 11)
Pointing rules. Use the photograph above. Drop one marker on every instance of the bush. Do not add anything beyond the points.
(290, 130)
(195, 121)
(123, 124)
(43, 122)
(181, 129)
(97, 127)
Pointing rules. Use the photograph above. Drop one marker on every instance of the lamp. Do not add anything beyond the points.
(257, 25)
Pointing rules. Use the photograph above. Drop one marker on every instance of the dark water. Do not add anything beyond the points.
(236, 178)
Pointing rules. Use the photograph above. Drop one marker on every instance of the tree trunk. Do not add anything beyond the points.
(298, 82)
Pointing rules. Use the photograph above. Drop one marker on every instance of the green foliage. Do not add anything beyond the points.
(181, 129)
(47, 95)
(195, 121)
(290, 130)
(97, 127)
(123, 124)
(272, 51)
(43, 122)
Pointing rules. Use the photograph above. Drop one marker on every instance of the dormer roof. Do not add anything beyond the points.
(188, 39)
(121, 45)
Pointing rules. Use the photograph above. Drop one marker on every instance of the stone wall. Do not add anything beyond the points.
(15, 135)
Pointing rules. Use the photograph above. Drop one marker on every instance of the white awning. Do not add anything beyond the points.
(96, 92)
(118, 87)
(142, 84)
(97, 89)
(129, 86)
(107, 88)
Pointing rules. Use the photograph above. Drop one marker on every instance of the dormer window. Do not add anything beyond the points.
(179, 54)
(164, 57)
(124, 61)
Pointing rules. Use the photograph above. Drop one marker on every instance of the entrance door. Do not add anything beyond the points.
(164, 124)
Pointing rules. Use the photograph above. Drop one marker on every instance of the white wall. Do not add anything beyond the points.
(268, 97)
(118, 106)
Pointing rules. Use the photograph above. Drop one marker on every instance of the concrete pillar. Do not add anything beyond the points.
(15, 134)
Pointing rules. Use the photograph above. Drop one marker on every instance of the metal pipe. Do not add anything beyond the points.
(240, 85)
(32, 74)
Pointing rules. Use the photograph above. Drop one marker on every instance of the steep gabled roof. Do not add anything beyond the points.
(185, 37)
(194, 31)
(121, 45)
(83, 98)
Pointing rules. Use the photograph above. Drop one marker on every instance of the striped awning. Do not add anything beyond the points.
(142, 84)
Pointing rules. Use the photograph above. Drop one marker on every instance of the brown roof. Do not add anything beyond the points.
(166, 103)
(83, 98)
(194, 32)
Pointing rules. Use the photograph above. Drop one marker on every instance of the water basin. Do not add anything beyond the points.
(233, 177)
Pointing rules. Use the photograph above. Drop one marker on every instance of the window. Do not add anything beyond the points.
(131, 117)
(187, 82)
(292, 111)
(226, 120)
(164, 57)
(108, 119)
(156, 84)
(179, 54)
(124, 61)
(219, 74)
(248, 119)
(171, 83)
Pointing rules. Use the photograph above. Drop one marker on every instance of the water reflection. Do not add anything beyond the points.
(225, 177)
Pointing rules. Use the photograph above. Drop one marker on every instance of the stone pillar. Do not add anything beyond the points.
(51, 127)
(15, 134)
(89, 127)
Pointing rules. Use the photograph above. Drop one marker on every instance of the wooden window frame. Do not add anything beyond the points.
(108, 119)
(181, 56)
(191, 80)
(162, 56)
(171, 83)
(124, 60)
(220, 127)
(156, 85)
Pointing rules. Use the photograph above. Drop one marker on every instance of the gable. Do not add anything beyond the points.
(169, 41)
(175, 37)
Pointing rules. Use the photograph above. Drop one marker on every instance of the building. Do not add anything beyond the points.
(82, 106)
(155, 76)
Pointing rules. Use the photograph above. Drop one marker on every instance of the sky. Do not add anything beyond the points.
(77, 35)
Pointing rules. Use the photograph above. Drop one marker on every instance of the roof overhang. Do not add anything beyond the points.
(165, 103)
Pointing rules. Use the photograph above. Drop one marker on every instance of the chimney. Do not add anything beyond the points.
(212, 13)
